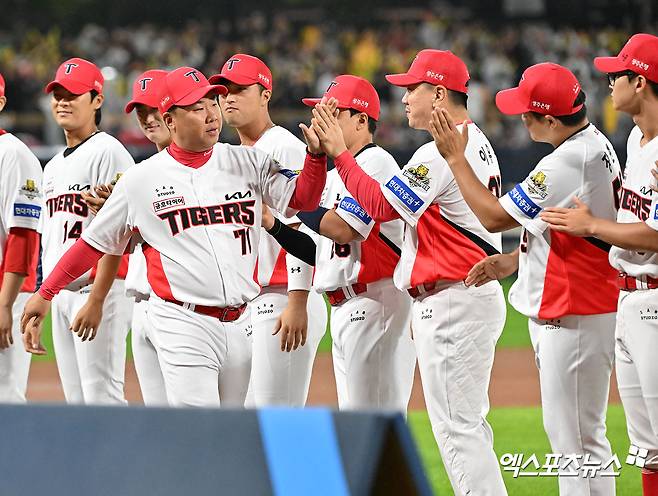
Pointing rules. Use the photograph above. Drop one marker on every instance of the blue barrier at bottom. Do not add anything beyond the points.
(66, 450)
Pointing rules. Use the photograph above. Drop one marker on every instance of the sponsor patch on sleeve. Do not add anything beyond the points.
(529, 208)
(655, 212)
(290, 174)
(27, 210)
(408, 198)
(350, 205)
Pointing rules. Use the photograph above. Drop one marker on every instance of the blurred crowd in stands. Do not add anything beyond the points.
(304, 55)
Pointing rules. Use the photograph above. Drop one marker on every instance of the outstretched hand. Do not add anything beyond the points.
(450, 142)
(325, 123)
(577, 221)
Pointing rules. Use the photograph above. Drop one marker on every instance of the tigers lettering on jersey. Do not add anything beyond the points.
(635, 203)
(68, 202)
(242, 213)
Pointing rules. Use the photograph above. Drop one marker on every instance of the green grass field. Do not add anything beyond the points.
(516, 430)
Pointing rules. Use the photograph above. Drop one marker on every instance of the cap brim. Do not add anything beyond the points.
(402, 79)
(199, 93)
(73, 86)
(234, 78)
(153, 103)
(609, 64)
(511, 102)
(311, 102)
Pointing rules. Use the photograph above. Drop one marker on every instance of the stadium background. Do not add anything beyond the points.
(306, 45)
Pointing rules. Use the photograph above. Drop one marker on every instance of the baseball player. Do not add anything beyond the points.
(285, 306)
(633, 78)
(455, 328)
(197, 206)
(91, 372)
(571, 327)
(145, 97)
(373, 355)
(20, 210)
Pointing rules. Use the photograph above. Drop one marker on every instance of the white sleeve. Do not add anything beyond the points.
(553, 183)
(111, 230)
(114, 162)
(292, 158)
(277, 185)
(412, 190)
(23, 202)
(356, 217)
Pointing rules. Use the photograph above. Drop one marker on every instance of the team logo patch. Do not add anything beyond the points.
(418, 176)
(30, 189)
(27, 210)
(350, 205)
(290, 174)
(536, 185)
(408, 198)
(160, 205)
(529, 208)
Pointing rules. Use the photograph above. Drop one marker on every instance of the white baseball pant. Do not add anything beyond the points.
(574, 356)
(15, 361)
(637, 368)
(204, 362)
(374, 358)
(145, 357)
(455, 330)
(280, 378)
(92, 372)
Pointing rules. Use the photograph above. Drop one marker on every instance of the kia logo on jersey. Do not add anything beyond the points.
(79, 187)
(238, 195)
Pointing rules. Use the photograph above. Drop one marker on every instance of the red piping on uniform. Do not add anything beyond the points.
(365, 189)
(76, 261)
(310, 184)
(188, 158)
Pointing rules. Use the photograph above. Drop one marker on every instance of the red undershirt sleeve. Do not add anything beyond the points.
(20, 250)
(310, 184)
(76, 261)
(366, 190)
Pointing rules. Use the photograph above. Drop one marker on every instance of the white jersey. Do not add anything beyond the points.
(290, 152)
(137, 284)
(376, 255)
(638, 204)
(100, 159)
(201, 227)
(443, 238)
(21, 201)
(557, 271)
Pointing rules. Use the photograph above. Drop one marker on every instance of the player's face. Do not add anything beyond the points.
(73, 111)
(623, 92)
(152, 125)
(196, 127)
(418, 101)
(242, 104)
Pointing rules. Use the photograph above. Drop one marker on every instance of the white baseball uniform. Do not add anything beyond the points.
(145, 353)
(20, 206)
(202, 228)
(571, 326)
(91, 372)
(637, 314)
(455, 328)
(373, 355)
(281, 378)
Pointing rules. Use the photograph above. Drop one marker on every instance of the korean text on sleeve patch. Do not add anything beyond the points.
(350, 205)
(27, 210)
(529, 208)
(408, 198)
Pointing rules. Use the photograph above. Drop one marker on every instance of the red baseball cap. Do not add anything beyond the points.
(2, 86)
(185, 86)
(78, 76)
(244, 70)
(435, 67)
(640, 55)
(352, 92)
(147, 89)
(545, 88)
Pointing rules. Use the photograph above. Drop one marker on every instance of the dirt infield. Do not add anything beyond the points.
(514, 382)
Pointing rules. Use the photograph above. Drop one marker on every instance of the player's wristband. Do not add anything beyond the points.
(315, 155)
(313, 218)
(300, 274)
